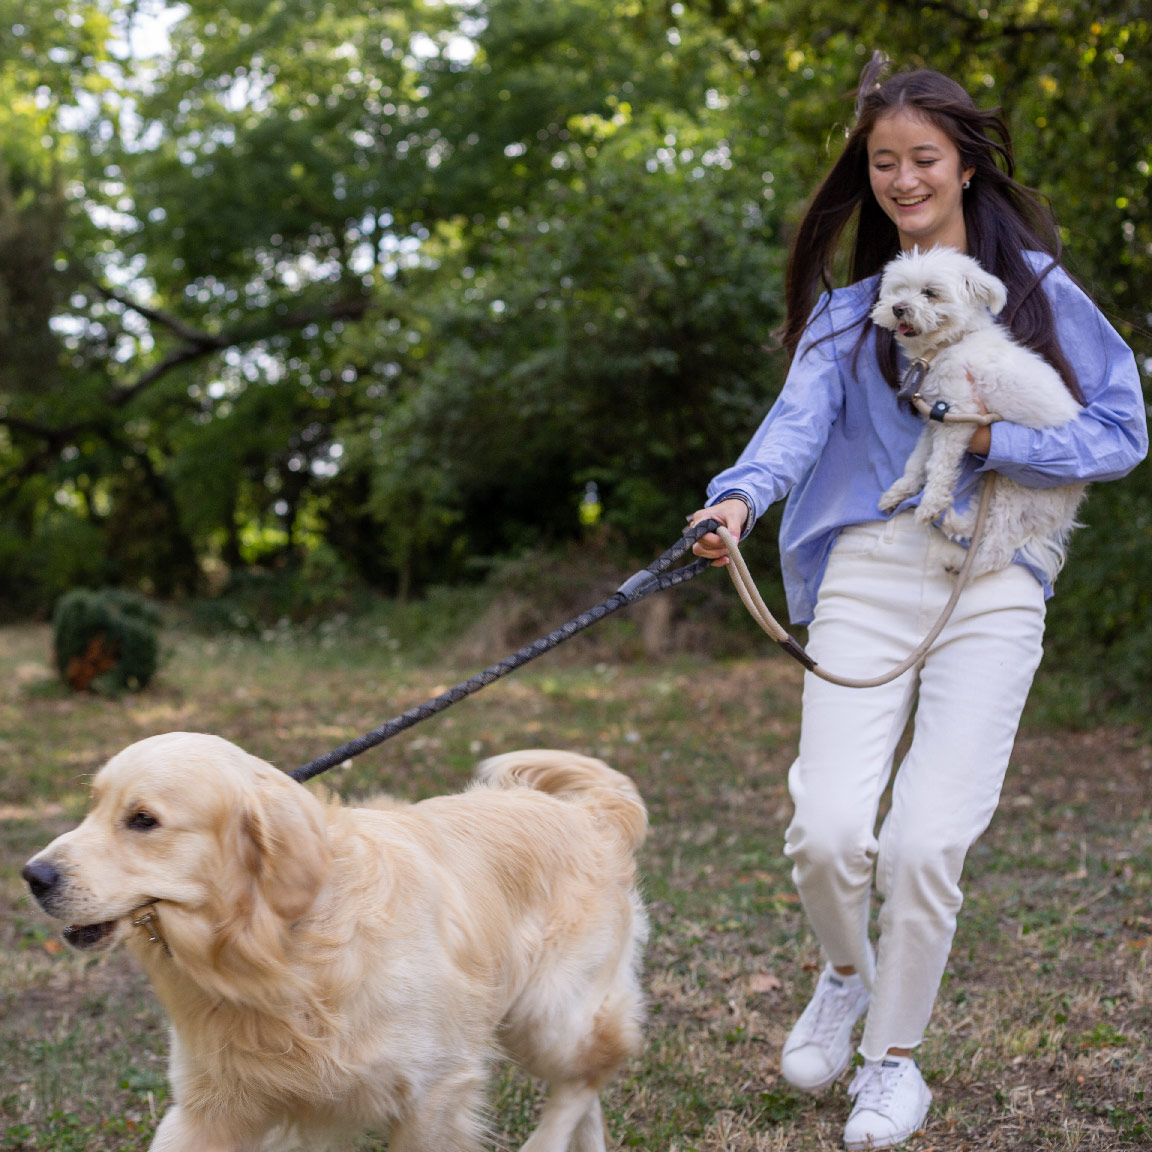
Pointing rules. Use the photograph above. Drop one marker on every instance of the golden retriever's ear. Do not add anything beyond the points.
(273, 862)
(288, 846)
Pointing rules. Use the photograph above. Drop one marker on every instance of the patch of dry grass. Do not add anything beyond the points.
(1041, 1035)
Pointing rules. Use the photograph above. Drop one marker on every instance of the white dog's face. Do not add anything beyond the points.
(188, 820)
(932, 298)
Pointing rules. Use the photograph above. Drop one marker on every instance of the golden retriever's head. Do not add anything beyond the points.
(229, 851)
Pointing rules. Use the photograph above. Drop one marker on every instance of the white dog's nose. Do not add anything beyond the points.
(898, 310)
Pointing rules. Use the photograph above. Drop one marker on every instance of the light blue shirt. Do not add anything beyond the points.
(836, 439)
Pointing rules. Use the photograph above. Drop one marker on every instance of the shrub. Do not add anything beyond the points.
(105, 640)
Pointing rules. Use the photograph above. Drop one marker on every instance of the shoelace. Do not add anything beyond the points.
(873, 1086)
(829, 1015)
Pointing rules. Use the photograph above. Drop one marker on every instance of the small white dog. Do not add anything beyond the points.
(941, 305)
(330, 969)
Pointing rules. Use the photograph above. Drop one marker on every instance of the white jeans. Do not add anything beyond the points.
(884, 588)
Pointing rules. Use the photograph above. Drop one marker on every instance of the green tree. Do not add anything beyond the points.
(400, 280)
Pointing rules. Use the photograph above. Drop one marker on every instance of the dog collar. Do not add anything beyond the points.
(913, 381)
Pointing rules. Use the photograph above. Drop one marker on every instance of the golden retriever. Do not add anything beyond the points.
(330, 970)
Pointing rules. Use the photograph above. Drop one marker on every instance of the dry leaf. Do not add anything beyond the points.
(764, 982)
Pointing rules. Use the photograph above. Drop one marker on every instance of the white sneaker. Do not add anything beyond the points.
(891, 1103)
(819, 1047)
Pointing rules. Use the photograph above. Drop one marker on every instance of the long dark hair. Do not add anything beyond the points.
(1002, 217)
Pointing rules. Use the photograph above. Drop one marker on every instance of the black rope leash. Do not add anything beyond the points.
(637, 587)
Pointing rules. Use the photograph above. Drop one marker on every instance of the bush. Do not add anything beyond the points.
(255, 600)
(105, 640)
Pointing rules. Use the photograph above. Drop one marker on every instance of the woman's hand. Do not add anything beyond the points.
(981, 442)
(732, 514)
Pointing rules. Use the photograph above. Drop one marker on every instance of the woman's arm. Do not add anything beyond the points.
(1110, 435)
(796, 428)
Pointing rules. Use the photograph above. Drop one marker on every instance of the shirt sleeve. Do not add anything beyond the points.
(793, 434)
(1109, 437)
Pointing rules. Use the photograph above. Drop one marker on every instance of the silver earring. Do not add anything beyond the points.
(966, 185)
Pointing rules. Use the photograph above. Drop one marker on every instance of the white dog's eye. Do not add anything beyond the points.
(931, 293)
(142, 821)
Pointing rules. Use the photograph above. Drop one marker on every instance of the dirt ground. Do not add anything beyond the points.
(1042, 1034)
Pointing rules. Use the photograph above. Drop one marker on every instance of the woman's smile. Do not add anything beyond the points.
(915, 174)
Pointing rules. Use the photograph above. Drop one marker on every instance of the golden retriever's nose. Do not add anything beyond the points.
(41, 877)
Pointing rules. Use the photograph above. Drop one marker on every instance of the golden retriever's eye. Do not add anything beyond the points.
(142, 821)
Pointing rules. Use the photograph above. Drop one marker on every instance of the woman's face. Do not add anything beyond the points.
(915, 172)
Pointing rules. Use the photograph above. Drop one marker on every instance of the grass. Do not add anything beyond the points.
(1042, 1036)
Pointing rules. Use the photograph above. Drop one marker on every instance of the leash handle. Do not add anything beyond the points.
(637, 587)
(750, 595)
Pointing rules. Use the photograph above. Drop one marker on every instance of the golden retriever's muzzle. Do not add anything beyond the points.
(44, 882)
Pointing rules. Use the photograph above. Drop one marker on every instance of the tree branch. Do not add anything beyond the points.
(350, 309)
(173, 323)
(197, 345)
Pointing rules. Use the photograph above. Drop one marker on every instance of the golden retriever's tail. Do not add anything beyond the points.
(579, 779)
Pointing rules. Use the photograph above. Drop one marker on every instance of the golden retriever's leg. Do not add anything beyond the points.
(591, 1133)
(448, 1119)
(180, 1132)
(419, 1135)
(567, 1114)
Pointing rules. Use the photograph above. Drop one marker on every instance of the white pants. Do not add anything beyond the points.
(884, 588)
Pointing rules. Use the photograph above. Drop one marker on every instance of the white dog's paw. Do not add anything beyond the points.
(982, 562)
(957, 525)
(896, 495)
(991, 556)
(930, 509)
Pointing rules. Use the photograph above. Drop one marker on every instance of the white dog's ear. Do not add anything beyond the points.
(984, 288)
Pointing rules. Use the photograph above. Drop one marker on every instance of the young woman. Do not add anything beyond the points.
(923, 166)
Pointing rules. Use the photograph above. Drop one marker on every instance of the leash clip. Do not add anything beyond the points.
(151, 925)
(914, 376)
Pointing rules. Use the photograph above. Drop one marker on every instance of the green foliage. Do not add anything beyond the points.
(398, 282)
(61, 551)
(105, 640)
(1099, 630)
(255, 600)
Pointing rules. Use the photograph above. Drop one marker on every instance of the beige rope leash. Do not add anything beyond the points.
(941, 412)
(750, 595)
